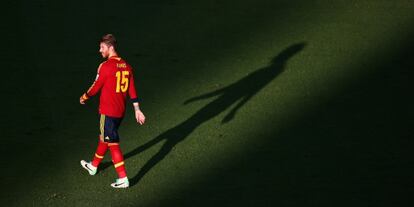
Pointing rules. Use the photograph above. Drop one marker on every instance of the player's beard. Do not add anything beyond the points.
(105, 54)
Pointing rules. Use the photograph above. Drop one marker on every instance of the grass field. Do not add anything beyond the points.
(248, 103)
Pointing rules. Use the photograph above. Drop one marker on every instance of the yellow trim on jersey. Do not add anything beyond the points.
(98, 156)
(102, 125)
(119, 164)
(97, 75)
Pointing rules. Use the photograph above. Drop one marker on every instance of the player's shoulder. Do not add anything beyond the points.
(104, 63)
(101, 66)
(126, 63)
(110, 62)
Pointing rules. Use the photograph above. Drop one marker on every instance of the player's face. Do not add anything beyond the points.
(104, 50)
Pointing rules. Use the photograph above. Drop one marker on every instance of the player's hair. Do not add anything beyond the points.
(109, 39)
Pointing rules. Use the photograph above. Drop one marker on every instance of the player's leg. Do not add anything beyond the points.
(92, 167)
(99, 153)
(112, 137)
(117, 159)
(119, 164)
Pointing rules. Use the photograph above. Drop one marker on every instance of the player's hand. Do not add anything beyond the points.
(140, 117)
(83, 98)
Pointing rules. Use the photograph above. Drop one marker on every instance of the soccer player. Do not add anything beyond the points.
(115, 80)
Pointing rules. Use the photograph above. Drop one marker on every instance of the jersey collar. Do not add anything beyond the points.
(115, 57)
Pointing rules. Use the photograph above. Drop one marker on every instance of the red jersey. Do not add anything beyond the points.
(116, 80)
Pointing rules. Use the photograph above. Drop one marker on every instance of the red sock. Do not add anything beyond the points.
(99, 154)
(117, 159)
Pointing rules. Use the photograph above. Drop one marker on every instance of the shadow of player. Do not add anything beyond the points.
(239, 92)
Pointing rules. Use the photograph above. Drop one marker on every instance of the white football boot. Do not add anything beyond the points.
(89, 167)
(121, 183)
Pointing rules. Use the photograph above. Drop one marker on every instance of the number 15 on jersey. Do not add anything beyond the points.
(122, 81)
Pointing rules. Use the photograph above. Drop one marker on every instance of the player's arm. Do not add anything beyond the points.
(96, 86)
(132, 92)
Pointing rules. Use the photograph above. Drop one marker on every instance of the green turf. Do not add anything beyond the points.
(327, 123)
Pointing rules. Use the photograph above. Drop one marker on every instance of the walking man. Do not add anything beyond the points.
(115, 80)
